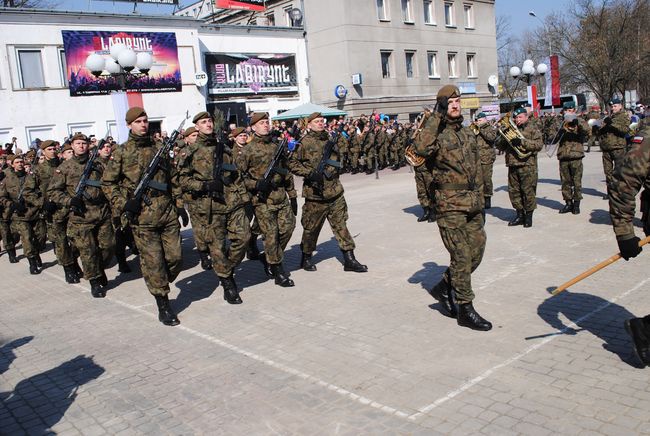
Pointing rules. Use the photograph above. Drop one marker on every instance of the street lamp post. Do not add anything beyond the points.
(123, 63)
(532, 14)
(525, 74)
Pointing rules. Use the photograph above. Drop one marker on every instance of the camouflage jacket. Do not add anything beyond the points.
(43, 175)
(343, 144)
(486, 138)
(306, 159)
(633, 175)
(571, 146)
(355, 145)
(10, 188)
(198, 168)
(612, 136)
(123, 173)
(532, 143)
(456, 161)
(253, 161)
(64, 182)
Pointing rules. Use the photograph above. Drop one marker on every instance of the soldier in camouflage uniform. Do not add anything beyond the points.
(458, 191)
(423, 186)
(218, 202)
(277, 214)
(522, 172)
(382, 140)
(627, 180)
(155, 228)
(370, 146)
(612, 138)
(89, 225)
(323, 194)
(56, 217)
(22, 210)
(486, 137)
(344, 147)
(8, 237)
(354, 149)
(570, 153)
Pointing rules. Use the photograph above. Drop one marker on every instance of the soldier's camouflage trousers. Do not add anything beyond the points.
(464, 239)
(233, 227)
(160, 253)
(96, 245)
(354, 160)
(383, 155)
(571, 178)
(254, 223)
(8, 241)
(611, 161)
(27, 236)
(56, 232)
(277, 224)
(522, 187)
(40, 233)
(197, 230)
(487, 179)
(314, 214)
(423, 180)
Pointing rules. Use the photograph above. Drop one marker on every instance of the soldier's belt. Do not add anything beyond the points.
(455, 186)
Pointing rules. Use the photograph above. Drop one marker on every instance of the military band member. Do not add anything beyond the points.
(522, 171)
(155, 228)
(89, 223)
(424, 188)
(570, 153)
(218, 203)
(612, 138)
(486, 137)
(323, 194)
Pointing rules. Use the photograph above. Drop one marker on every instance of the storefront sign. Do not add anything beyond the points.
(251, 5)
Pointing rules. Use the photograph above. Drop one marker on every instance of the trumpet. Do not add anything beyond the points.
(509, 131)
(570, 123)
(414, 159)
(475, 128)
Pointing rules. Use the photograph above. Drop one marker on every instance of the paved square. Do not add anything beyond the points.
(345, 353)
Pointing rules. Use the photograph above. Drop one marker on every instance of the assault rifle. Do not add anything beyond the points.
(146, 181)
(80, 189)
(325, 160)
(274, 166)
(20, 199)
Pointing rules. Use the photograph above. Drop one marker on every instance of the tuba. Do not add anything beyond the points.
(509, 131)
(414, 159)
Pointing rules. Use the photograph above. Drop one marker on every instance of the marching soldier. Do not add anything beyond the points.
(8, 239)
(89, 223)
(218, 199)
(486, 137)
(423, 185)
(630, 176)
(323, 194)
(570, 153)
(612, 140)
(370, 146)
(155, 228)
(522, 171)
(354, 149)
(458, 189)
(277, 213)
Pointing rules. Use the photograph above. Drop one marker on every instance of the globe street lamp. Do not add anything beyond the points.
(525, 74)
(123, 63)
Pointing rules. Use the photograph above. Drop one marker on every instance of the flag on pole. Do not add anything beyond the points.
(552, 93)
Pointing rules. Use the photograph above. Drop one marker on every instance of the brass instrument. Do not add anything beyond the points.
(508, 130)
(475, 128)
(568, 125)
(414, 159)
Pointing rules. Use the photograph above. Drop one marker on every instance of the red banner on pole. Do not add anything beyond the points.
(555, 77)
(250, 5)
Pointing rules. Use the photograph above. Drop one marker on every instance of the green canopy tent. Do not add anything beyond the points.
(308, 108)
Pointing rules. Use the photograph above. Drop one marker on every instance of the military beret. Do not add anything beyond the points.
(18, 156)
(67, 145)
(258, 116)
(47, 143)
(481, 115)
(238, 131)
(10, 157)
(520, 110)
(133, 114)
(615, 100)
(569, 105)
(78, 136)
(447, 92)
(189, 131)
(200, 116)
(30, 154)
(313, 116)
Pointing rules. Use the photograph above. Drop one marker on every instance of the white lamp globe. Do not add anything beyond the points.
(112, 67)
(529, 62)
(116, 49)
(542, 69)
(144, 61)
(528, 69)
(127, 59)
(515, 71)
(95, 63)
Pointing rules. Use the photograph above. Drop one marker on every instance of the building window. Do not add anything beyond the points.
(385, 64)
(290, 22)
(432, 62)
(471, 65)
(270, 20)
(451, 60)
(382, 10)
(429, 12)
(30, 67)
(469, 16)
(411, 67)
(449, 14)
(407, 16)
(63, 67)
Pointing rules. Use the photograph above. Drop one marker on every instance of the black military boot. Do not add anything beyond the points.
(306, 263)
(39, 261)
(33, 266)
(576, 207)
(425, 214)
(165, 313)
(206, 262)
(468, 317)
(281, 277)
(123, 266)
(519, 219)
(445, 295)
(230, 291)
(528, 219)
(252, 252)
(12, 255)
(568, 207)
(103, 280)
(351, 263)
(488, 202)
(96, 288)
(432, 216)
(70, 274)
(636, 328)
(78, 269)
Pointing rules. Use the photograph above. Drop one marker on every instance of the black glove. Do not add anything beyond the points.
(50, 207)
(231, 178)
(629, 247)
(117, 223)
(574, 123)
(132, 206)
(77, 205)
(182, 214)
(607, 121)
(20, 207)
(443, 105)
(294, 206)
(515, 142)
(315, 177)
(263, 186)
(212, 186)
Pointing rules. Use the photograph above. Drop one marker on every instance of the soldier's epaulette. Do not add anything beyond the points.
(637, 139)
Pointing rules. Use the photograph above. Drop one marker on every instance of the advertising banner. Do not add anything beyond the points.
(164, 75)
(250, 5)
(240, 74)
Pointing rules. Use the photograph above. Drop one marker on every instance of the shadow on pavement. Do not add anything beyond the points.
(427, 277)
(7, 354)
(501, 213)
(415, 210)
(606, 323)
(194, 288)
(600, 216)
(551, 204)
(39, 402)
(585, 191)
